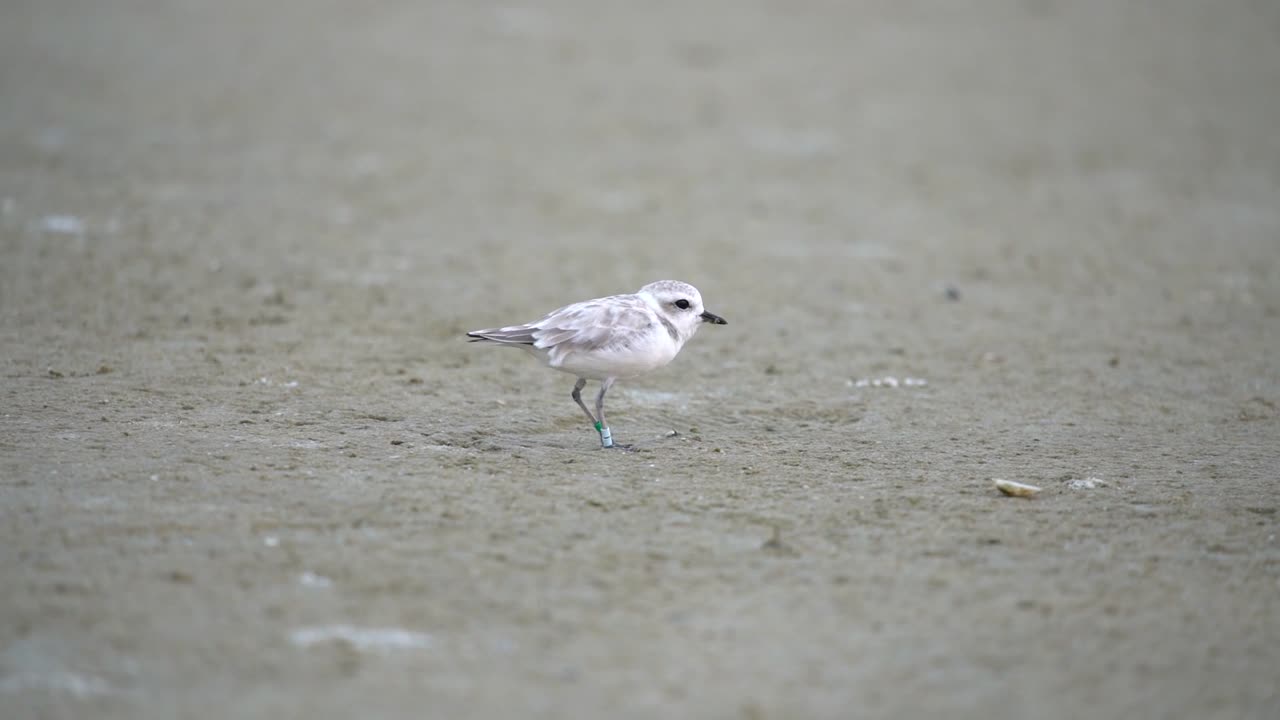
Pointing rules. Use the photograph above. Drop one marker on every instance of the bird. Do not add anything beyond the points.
(609, 338)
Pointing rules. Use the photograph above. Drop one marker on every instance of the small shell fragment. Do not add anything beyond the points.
(1016, 489)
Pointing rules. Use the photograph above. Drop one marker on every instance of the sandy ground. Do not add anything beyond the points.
(250, 468)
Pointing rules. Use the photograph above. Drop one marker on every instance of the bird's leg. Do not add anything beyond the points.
(606, 437)
(577, 397)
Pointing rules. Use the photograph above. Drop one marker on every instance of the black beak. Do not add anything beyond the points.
(713, 319)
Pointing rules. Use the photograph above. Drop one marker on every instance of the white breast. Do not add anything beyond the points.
(629, 357)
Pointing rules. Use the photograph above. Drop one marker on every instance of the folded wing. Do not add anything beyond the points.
(606, 325)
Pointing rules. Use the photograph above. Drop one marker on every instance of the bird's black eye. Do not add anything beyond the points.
(682, 304)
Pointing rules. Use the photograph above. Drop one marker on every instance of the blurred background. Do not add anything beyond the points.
(550, 150)
(241, 242)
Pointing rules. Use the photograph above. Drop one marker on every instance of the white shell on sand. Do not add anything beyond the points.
(1016, 489)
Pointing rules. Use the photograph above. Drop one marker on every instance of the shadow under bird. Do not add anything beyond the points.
(608, 338)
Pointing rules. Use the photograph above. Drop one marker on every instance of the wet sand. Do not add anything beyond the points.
(249, 466)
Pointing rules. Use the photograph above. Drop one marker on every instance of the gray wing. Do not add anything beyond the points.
(615, 322)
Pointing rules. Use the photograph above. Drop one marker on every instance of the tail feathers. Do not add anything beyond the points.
(518, 335)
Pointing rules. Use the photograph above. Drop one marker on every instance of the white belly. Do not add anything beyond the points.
(622, 363)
